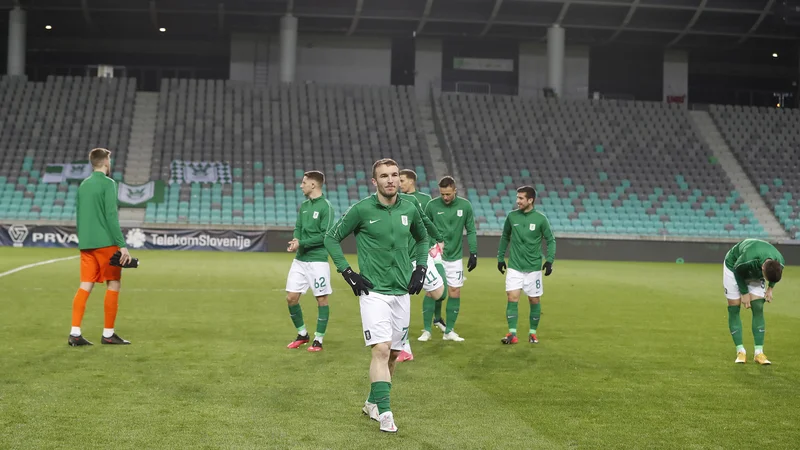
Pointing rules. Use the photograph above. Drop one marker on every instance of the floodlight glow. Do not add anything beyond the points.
(774, 55)
(162, 29)
(48, 27)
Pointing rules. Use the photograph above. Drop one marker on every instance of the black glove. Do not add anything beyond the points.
(473, 261)
(359, 284)
(548, 268)
(501, 266)
(417, 279)
(132, 264)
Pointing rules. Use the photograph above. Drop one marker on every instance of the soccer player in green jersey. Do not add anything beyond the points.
(747, 265)
(382, 224)
(310, 267)
(432, 303)
(100, 238)
(524, 228)
(452, 215)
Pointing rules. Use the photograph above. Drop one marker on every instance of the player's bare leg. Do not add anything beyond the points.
(296, 313)
(322, 323)
(76, 339)
(512, 314)
(453, 307)
(536, 311)
(110, 307)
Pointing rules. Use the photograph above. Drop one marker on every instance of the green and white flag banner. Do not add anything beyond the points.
(138, 196)
(74, 171)
(200, 172)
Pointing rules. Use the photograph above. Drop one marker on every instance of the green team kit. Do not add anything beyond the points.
(743, 274)
(310, 269)
(451, 220)
(524, 230)
(96, 212)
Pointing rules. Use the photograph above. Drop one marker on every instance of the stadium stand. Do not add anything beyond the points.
(766, 142)
(53, 122)
(607, 167)
(270, 135)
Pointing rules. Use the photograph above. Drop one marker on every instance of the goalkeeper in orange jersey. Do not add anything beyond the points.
(102, 247)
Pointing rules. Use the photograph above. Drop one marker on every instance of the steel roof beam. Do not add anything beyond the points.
(689, 25)
(497, 5)
(625, 21)
(356, 17)
(424, 19)
(764, 13)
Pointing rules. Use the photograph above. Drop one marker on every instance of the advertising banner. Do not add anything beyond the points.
(139, 238)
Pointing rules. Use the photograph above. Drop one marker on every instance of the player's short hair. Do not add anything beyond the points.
(530, 193)
(97, 156)
(773, 271)
(382, 162)
(410, 174)
(315, 175)
(447, 181)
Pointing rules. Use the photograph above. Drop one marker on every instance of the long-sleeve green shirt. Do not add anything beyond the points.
(433, 232)
(525, 230)
(97, 214)
(314, 219)
(382, 242)
(451, 220)
(746, 258)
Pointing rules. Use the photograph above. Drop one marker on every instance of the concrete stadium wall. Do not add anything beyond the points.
(428, 65)
(255, 58)
(594, 249)
(533, 70)
(676, 73)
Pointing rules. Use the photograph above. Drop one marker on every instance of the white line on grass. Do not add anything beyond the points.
(41, 263)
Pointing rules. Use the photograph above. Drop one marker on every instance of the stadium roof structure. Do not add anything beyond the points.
(665, 23)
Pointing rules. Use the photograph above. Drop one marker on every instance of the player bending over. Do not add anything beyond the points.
(431, 304)
(382, 224)
(524, 228)
(747, 265)
(434, 284)
(452, 215)
(99, 238)
(310, 268)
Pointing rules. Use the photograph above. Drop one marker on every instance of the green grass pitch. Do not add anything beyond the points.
(631, 355)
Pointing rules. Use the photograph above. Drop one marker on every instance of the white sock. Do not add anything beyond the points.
(758, 352)
(76, 331)
(303, 332)
(318, 338)
(108, 332)
(407, 347)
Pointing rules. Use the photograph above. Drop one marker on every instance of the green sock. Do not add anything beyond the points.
(322, 320)
(380, 393)
(427, 312)
(371, 398)
(536, 312)
(437, 309)
(735, 325)
(296, 313)
(512, 315)
(759, 325)
(453, 305)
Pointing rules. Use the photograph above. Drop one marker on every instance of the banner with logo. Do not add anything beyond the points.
(200, 172)
(139, 238)
(138, 196)
(74, 171)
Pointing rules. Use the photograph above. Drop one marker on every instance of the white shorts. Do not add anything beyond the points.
(455, 273)
(305, 275)
(432, 279)
(529, 282)
(755, 287)
(385, 318)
